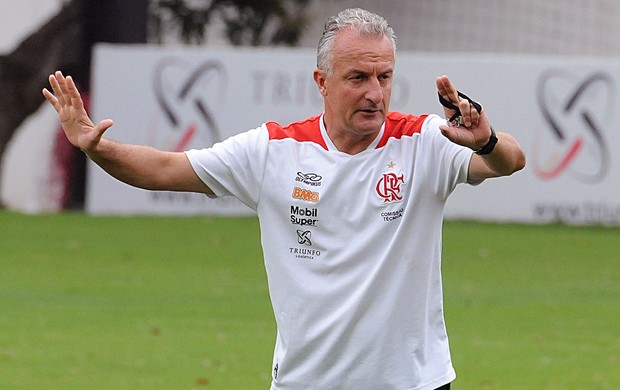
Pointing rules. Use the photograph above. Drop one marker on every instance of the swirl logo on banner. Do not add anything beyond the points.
(189, 96)
(578, 113)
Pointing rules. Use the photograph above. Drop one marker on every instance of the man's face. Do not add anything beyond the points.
(357, 92)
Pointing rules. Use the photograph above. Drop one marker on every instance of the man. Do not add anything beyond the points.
(350, 205)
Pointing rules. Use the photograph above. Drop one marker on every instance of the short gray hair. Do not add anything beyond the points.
(362, 21)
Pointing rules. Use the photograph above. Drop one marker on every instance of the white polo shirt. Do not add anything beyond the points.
(352, 248)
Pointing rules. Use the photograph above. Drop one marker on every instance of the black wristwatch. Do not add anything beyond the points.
(488, 148)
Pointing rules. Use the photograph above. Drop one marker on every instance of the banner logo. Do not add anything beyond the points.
(577, 113)
(189, 96)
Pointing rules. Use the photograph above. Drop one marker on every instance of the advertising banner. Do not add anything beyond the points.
(561, 110)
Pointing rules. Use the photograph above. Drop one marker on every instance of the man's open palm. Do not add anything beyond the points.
(77, 125)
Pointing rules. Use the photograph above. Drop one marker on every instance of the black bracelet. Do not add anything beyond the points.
(488, 148)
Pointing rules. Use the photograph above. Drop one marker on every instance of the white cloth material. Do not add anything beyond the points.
(352, 248)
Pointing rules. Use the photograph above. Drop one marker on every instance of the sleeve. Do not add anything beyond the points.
(234, 166)
(446, 163)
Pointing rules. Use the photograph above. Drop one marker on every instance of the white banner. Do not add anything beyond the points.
(560, 109)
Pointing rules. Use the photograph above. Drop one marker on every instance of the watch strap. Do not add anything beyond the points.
(488, 148)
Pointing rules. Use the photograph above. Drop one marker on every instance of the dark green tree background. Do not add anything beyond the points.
(66, 40)
(247, 22)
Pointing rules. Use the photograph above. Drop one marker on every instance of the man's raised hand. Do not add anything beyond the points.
(476, 130)
(77, 125)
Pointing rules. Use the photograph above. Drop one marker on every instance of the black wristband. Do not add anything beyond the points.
(488, 148)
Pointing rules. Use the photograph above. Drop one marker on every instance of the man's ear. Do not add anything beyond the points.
(319, 78)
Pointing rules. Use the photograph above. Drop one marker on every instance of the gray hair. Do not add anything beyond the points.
(362, 21)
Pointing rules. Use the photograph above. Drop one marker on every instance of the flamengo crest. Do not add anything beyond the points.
(389, 186)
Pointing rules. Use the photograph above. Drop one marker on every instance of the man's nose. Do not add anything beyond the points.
(375, 91)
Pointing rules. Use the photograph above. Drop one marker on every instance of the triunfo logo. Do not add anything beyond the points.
(303, 237)
(305, 195)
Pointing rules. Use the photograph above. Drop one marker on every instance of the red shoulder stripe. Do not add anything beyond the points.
(307, 130)
(398, 125)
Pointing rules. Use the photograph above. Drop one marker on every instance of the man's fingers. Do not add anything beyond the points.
(475, 115)
(74, 94)
(51, 99)
(102, 127)
(62, 85)
(446, 89)
(57, 90)
(469, 113)
(465, 109)
(65, 92)
(446, 131)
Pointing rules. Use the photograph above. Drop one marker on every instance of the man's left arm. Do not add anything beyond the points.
(506, 158)
(494, 157)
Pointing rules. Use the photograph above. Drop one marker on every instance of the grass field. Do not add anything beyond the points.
(182, 303)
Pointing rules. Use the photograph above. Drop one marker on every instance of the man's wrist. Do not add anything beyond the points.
(488, 148)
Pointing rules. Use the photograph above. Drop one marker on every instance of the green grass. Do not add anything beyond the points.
(132, 303)
(182, 303)
(533, 307)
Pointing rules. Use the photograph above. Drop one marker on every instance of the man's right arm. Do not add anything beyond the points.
(147, 168)
(139, 166)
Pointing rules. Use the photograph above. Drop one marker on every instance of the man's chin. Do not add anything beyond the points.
(370, 126)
